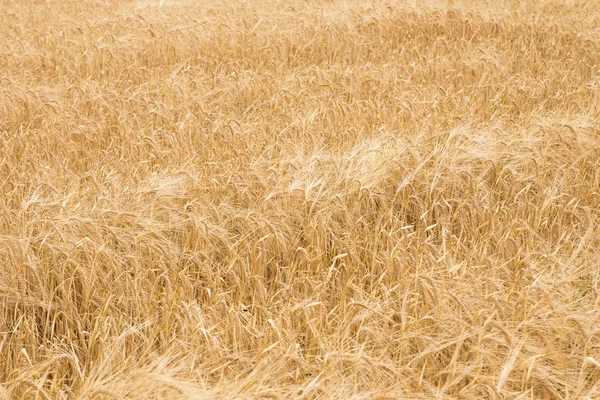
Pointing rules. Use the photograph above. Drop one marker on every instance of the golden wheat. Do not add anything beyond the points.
(299, 199)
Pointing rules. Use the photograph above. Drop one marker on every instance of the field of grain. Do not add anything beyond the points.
(312, 199)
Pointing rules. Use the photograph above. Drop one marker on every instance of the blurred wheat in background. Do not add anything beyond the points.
(299, 199)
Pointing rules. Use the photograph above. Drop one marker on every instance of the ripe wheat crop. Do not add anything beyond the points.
(299, 199)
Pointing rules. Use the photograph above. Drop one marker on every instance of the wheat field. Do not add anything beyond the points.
(309, 199)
